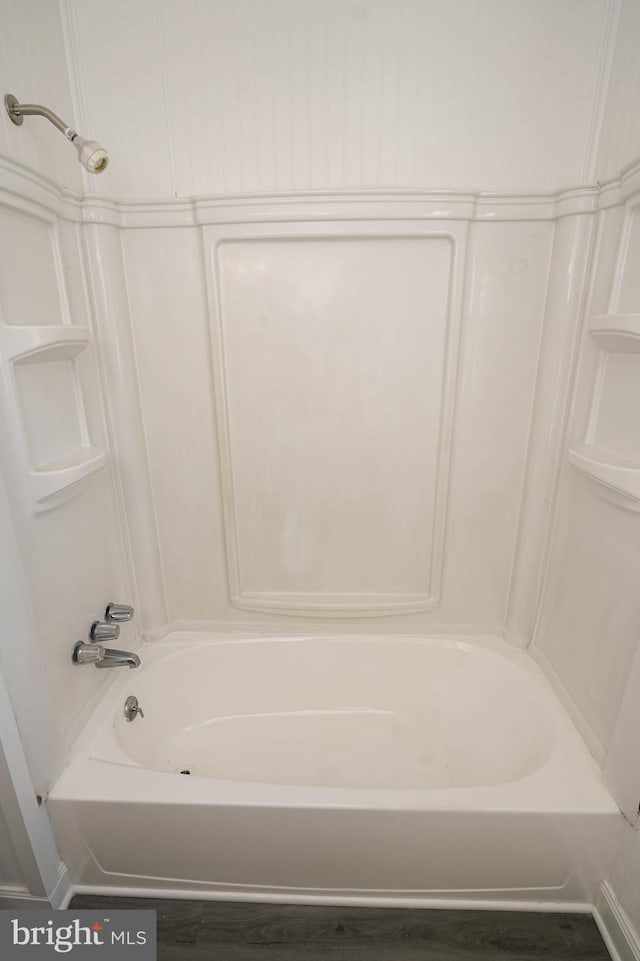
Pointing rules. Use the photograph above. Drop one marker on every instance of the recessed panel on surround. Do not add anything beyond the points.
(334, 366)
(29, 271)
(44, 414)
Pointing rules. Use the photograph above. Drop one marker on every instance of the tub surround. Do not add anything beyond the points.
(475, 337)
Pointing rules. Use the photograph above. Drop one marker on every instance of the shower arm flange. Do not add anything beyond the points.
(18, 111)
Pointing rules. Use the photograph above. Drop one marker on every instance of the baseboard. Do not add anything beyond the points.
(13, 899)
(618, 933)
(58, 898)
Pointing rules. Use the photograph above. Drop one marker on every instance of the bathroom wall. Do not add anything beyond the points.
(11, 873)
(462, 416)
(448, 340)
(620, 137)
(263, 96)
(589, 627)
(33, 68)
(622, 892)
(590, 618)
(460, 547)
(65, 521)
(331, 398)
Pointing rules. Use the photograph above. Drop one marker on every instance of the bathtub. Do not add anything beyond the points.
(350, 770)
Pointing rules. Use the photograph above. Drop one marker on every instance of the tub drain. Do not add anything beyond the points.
(185, 771)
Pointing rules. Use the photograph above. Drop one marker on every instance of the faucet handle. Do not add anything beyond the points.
(86, 653)
(118, 612)
(103, 632)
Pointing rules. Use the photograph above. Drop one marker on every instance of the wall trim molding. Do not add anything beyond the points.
(21, 185)
(615, 926)
(345, 205)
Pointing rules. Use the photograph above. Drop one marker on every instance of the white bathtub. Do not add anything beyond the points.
(395, 770)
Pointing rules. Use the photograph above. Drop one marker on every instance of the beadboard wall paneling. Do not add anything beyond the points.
(620, 137)
(263, 96)
(33, 67)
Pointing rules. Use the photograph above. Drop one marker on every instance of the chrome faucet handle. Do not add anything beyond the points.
(87, 653)
(103, 632)
(118, 612)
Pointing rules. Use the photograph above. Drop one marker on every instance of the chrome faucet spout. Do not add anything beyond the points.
(114, 658)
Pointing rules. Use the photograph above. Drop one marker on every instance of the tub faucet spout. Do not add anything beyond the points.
(103, 656)
(114, 658)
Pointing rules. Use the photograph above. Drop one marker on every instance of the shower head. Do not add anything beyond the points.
(91, 154)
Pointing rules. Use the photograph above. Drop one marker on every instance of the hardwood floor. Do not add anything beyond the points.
(235, 931)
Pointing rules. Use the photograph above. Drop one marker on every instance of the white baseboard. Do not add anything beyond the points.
(14, 899)
(618, 933)
(58, 898)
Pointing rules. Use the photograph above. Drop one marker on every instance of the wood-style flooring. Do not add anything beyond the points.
(235, 931)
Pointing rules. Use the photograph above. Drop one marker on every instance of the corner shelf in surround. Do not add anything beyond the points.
(62, 478)
(616, 333)
(68, 473)
(617, 478)
(38, 344)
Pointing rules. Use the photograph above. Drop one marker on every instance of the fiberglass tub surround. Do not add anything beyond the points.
(355, 767)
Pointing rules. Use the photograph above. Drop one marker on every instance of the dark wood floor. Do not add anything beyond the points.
(234, 931)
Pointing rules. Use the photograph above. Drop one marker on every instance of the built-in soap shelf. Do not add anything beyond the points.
(616, 333)
(57, 481)
(38, 344)
(66, 474)
(618, 478)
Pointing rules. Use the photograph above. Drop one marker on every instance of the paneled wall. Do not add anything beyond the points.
(54, 455)
(257, 492)
(63, 555)
(53, 440)
(263, 96)
(338, 410)
(590, 618)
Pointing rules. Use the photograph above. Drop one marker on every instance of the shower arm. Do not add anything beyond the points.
(91, 154)
(17, 111)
